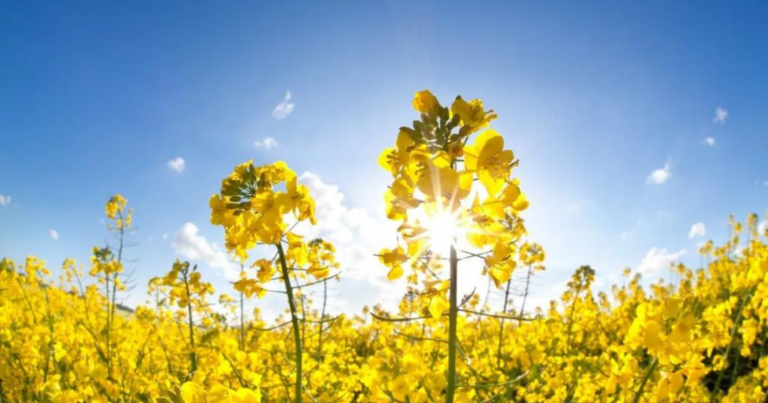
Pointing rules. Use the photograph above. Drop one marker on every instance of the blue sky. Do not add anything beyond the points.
(96, 98)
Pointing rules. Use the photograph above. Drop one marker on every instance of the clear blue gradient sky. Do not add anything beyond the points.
(97, 97)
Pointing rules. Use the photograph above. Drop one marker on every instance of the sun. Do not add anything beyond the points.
(442, 231)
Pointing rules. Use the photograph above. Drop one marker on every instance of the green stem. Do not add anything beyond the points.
(647, 376)
(242, 316)
(501, 325)
(295, 321)
(570, 319)
(322, 318)
(525, 296)
(736, 324)
(192, 355)
(452, 339)
(109, 326)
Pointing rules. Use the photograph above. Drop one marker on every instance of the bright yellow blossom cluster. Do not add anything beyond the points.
(116, 212)
(702, 337)
(434, 166)
(252, 209)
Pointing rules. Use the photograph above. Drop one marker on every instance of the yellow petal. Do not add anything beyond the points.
(521, 203)
(492, 185)
(246, 396)
(385, 159)
(471, 154)
(404, 141)
(438, 305)
(218, 394)
(189, 391)
(395, 273)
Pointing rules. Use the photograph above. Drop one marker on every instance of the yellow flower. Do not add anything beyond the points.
(249, 287)
(318, 270)
(270, 231)
(296, 199)
(399, 199)
(652, 335)
(510, 198)
(266, 270)
(278, 172)
(115, 205)
(393, 258)
(484, 228)
(425, 102)
(241, 172)
(445, 185)
(220, 215)
(297, 249)
(438, 305)
(265, 204)
(218, 394)
(472, 113)
(488, 158)
(396, 159)
(192, 393)
(500, 264)
(415, 236)
(246, 396)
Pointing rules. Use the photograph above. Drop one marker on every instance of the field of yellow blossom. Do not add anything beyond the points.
(700, 338)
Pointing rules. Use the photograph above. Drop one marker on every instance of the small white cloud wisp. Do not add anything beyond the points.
(188, 243)
(267, 144)
(658, 259)
(177, 164)
(660, 175)
(720, 115)
(284, 108)
(697, 230)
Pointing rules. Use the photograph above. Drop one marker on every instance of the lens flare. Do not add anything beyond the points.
(442, 230)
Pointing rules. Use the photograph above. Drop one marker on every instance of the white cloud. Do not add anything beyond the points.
(658, 259)
(329, 209)
(5, 201)
(177, 164)
(335, 220)
(739, 250)
(284, 108)
(710, 141)
(53, 234)
(762, 227)
(720, 115)
(268, 143)
(660, 175)
(188, 243)
(697, 229)
(356, 235)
